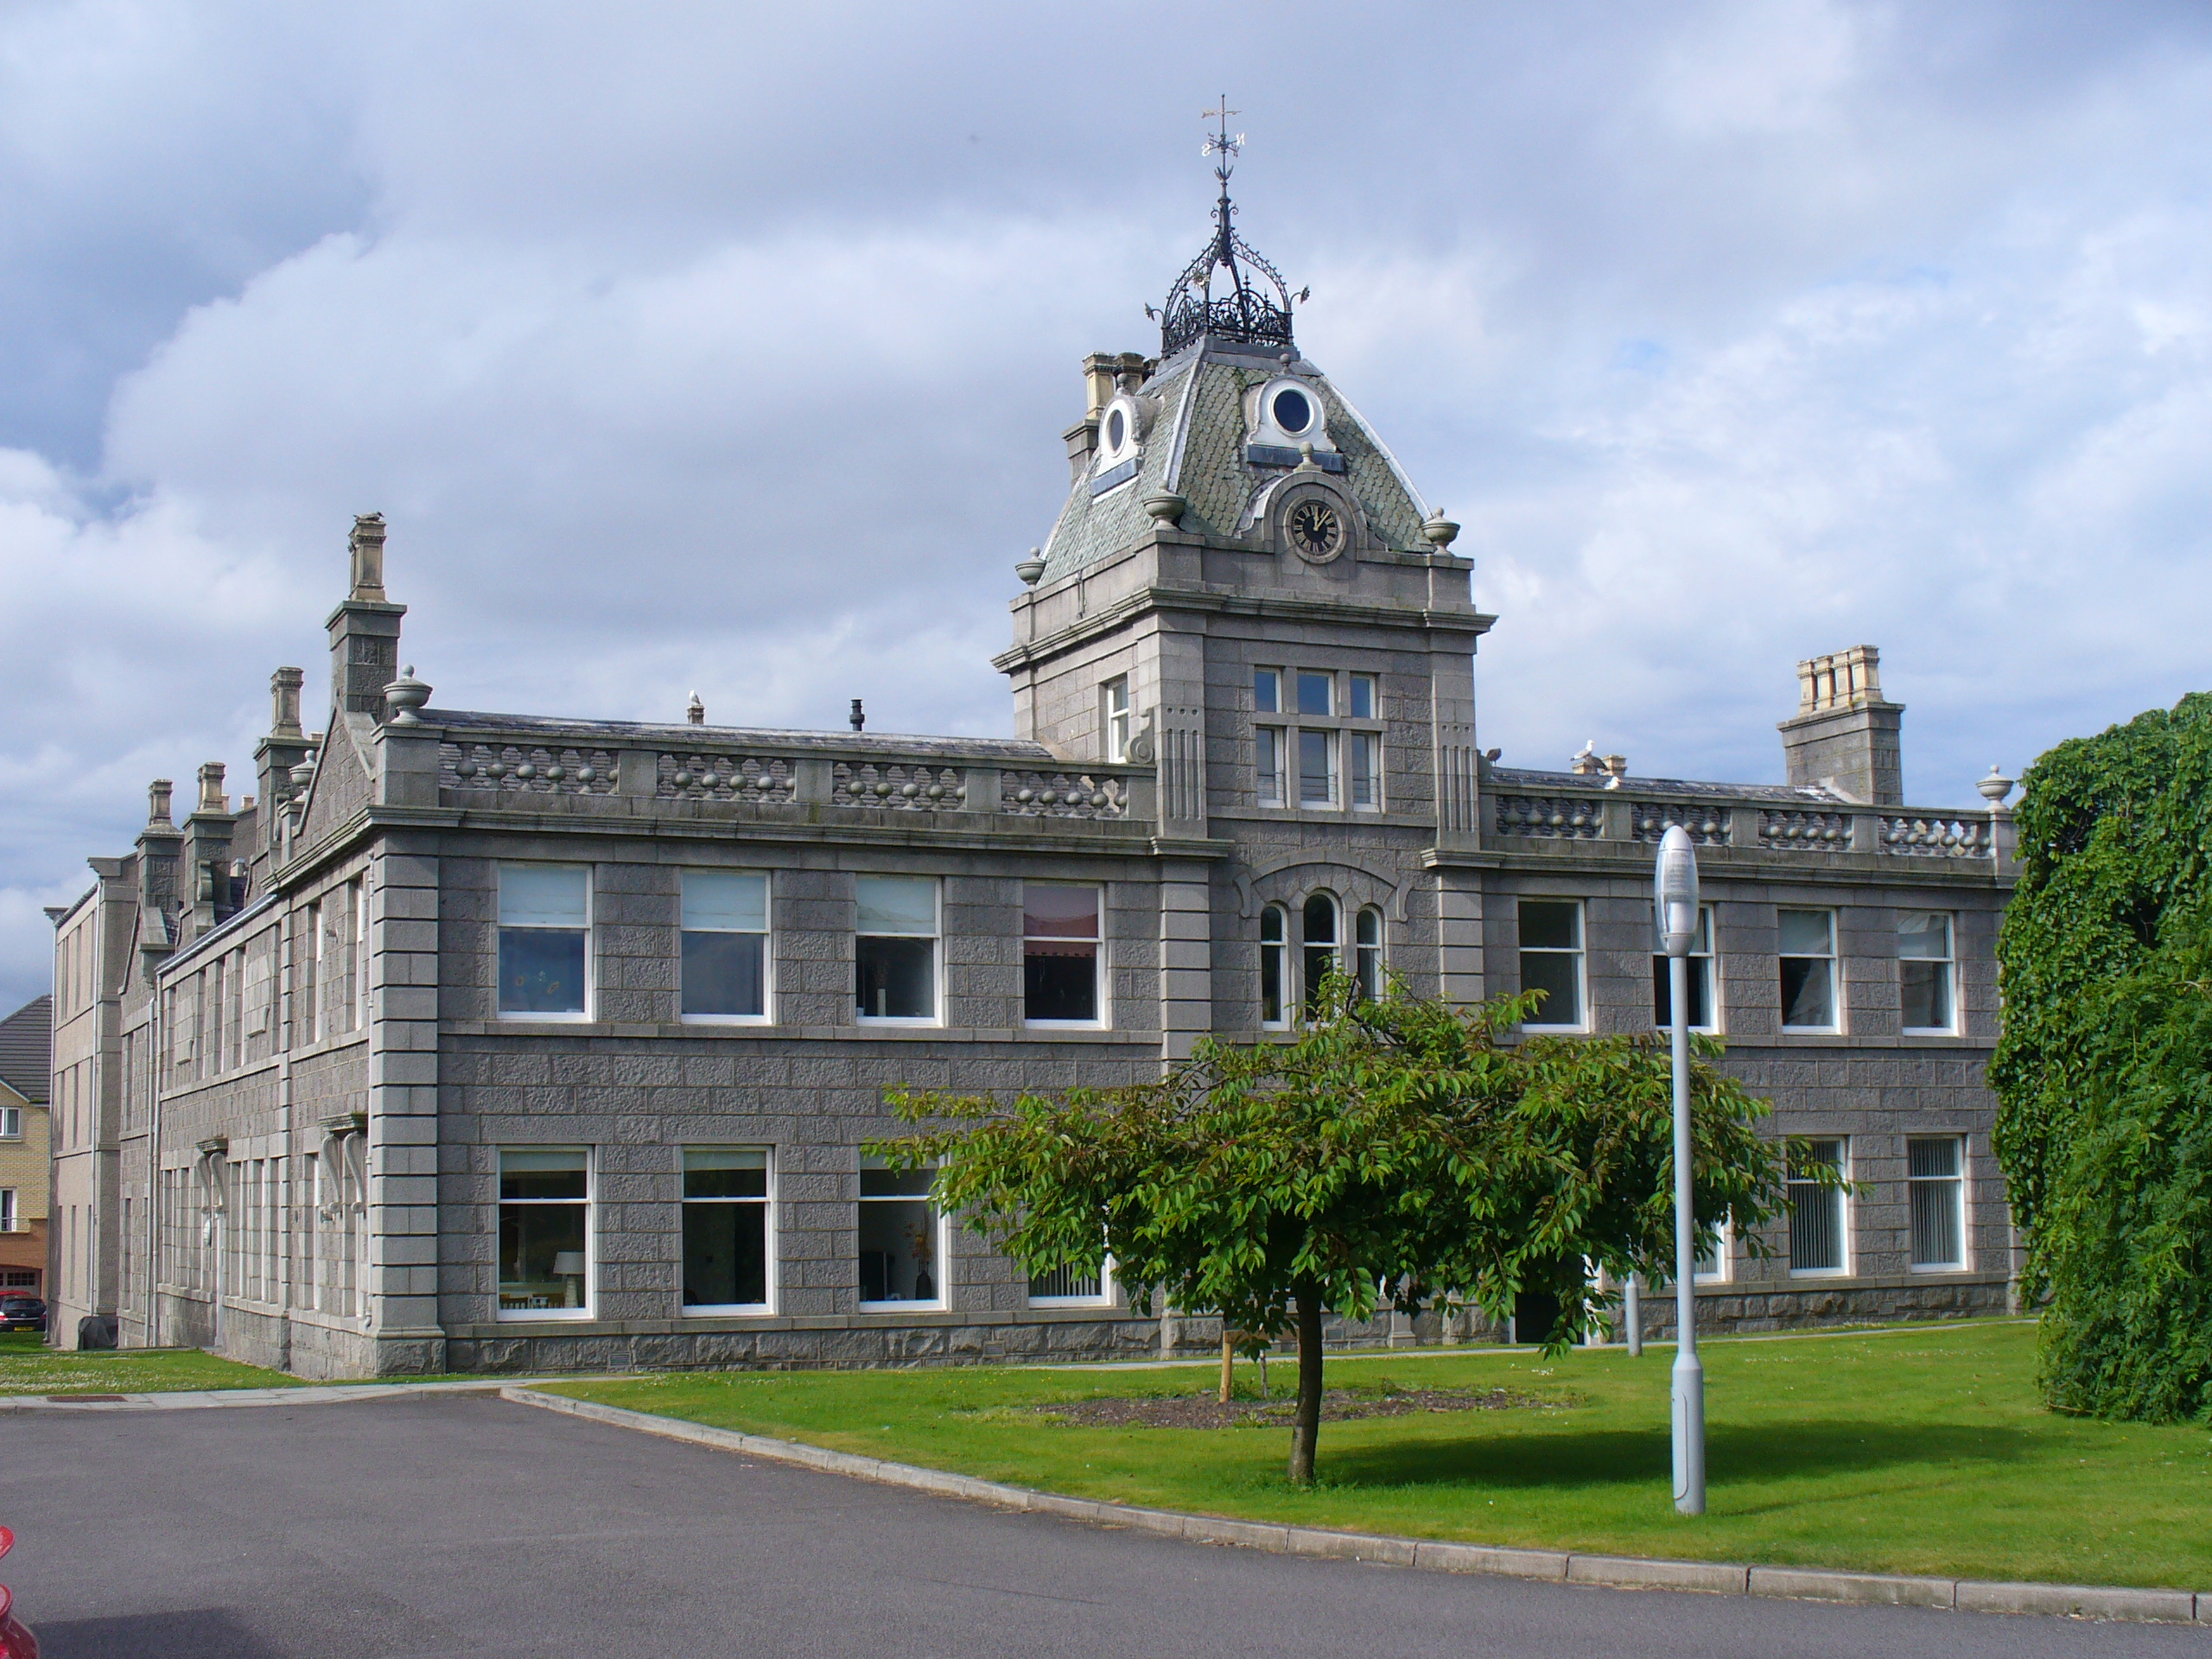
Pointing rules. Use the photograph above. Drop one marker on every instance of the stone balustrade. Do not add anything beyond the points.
(1790, 829)
(800, 771)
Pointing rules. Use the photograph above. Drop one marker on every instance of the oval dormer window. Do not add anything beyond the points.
(1293, 411)
(1117, 427)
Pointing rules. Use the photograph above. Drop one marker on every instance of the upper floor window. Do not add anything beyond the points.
(1273, 1000)
(1319, 935)
(1266, 690)
(1364, 701)
(1807, 959)
(1317, 768)
(1363, 751)
(1114, 697)
(1925, 960)
(1317, 692)
(1551, 962)
(1267, 764)
(725, 944)
(1059, 954)
(11, 1122)
(894, 957)
(544, 939)
(1701, 1000)
(7, 1209)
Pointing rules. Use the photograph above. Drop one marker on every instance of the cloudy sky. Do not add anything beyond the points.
(729, 347)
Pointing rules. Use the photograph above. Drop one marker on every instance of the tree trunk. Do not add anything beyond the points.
(1305, 1428)
(1228, 1355)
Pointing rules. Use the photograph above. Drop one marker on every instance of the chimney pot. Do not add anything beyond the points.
(157, 801)
(212, 798)
(859, 716)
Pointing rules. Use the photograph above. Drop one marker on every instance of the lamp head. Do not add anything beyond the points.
(1674, 892)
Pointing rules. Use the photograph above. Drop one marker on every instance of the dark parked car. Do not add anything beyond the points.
(21, 1313)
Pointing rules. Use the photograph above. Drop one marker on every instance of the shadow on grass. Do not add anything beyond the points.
(1602, 1458)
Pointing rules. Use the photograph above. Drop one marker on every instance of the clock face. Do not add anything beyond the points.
(1317, 534)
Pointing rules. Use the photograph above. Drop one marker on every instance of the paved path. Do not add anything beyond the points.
(453, 1525)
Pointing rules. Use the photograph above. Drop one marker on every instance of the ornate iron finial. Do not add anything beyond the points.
(1246, 312)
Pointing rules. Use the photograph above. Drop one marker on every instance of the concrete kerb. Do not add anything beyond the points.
(203, 1399)
(1616, 1572)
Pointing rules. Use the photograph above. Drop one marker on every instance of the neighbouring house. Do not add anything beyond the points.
(481, 1041)
(26, 1063)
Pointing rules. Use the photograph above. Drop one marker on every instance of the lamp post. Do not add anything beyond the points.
(1674, 899)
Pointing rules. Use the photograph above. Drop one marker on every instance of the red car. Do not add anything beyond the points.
(15, 1640)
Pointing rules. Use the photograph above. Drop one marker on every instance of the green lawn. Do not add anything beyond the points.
(1920, 1450)
(29, 1366)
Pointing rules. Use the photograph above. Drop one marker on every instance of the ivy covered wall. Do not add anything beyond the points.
(2104, 1073)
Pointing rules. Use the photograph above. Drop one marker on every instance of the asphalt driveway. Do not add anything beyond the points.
(464, 1525)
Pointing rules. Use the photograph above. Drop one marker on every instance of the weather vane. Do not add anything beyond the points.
(1220, 143)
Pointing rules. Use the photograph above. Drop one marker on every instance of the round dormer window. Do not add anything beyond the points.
(1292, 411)
(1117, 428)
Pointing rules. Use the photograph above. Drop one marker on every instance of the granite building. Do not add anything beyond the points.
(482, 1041)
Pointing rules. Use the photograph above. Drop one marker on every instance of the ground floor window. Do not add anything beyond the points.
(544, 1234)
(1935, 1178)
(1070, 1286)
(902, 1260)
(1816, 1212)
(20, 1278)
(725, 1230)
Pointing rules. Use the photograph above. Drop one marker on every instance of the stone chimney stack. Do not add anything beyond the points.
(275, 754)
(212, 797)
(157, 801)
(364, 628)
(1845, 735)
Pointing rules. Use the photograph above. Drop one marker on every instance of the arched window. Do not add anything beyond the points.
(1271, 967)
(1320, 937)
(1368, 967)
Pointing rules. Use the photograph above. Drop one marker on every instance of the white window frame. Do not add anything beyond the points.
(6, 1209)
(1308, 981)
(1328, 677)
(1580, 952)
(1957, 1184)
(768, 1245)
(530, 1315)
(1363, 746)
(1723, 1258)
(1286, 993)
(1331, 768)
(1270, 766)
(936, 936)
(1948, 961)
(1103, 1297)
(1844, 1216)
(1266, 690)
(590, 1011)
(1370, 968)
(1835, 971)
(1114, 716)
(1374, 685)
(767, 936)
(1099, 980)
(939, 1237)
(11, 1122)
(1711, 957)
